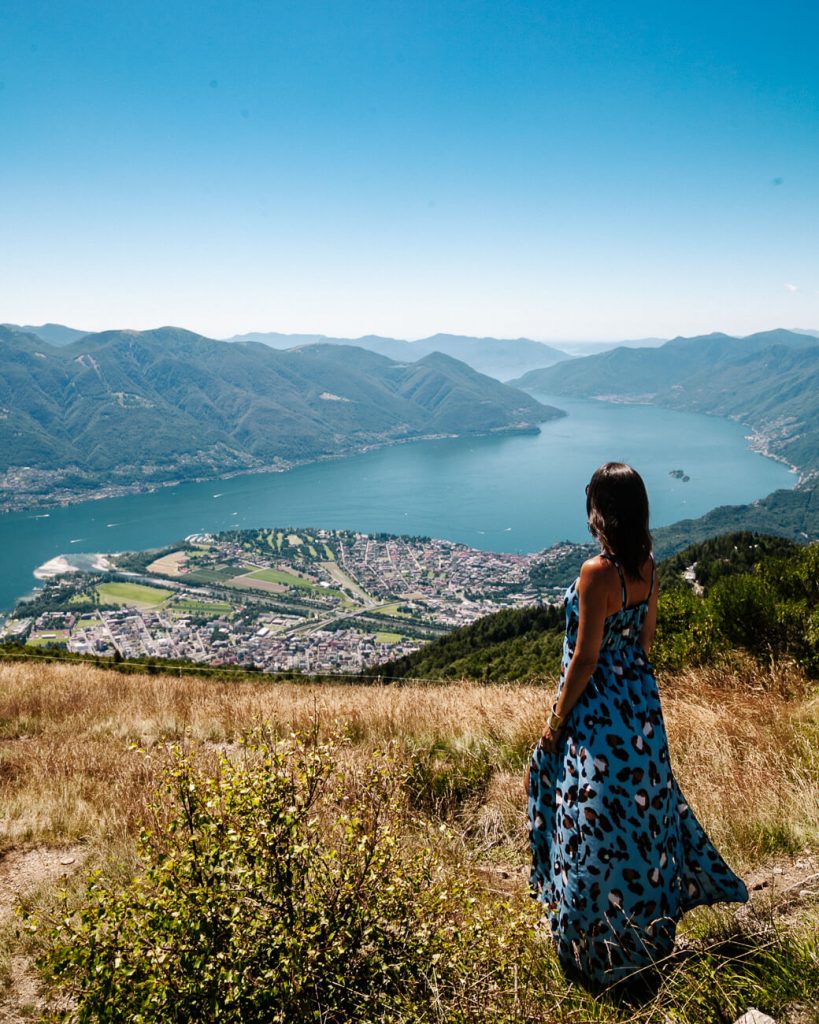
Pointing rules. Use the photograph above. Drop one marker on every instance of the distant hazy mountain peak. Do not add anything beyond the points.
(52, 334)
(495, 357)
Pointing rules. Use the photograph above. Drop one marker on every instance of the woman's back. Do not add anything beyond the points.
(628, 603)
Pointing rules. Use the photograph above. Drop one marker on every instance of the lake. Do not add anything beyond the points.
(500, 493)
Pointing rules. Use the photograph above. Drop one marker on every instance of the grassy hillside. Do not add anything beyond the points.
(420, 797)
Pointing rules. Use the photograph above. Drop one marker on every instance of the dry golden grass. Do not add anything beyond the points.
(743, 745)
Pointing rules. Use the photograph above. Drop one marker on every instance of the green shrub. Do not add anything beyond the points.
(687, 633)
(277, 889)
(797, 577)
(746, 608)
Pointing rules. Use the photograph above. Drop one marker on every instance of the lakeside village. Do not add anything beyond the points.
(282, 599)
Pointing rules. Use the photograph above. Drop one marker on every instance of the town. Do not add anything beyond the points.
(282, 600)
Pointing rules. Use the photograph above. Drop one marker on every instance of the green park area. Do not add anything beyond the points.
(388, 638)
(131, 594)
(287, 579)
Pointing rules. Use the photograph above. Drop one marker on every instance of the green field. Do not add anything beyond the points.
(88, 622)
(133, 594)
(287, 579)
(388, 638)
(47, 637)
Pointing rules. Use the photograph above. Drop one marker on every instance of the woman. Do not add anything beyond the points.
(617, 855)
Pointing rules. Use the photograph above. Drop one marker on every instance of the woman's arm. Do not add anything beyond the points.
(650, 622)
(593, 593)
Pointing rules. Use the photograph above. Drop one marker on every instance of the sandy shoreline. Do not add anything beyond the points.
(54, 567)
(67, 563)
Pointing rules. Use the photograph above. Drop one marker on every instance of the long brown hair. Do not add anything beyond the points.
(617, 509)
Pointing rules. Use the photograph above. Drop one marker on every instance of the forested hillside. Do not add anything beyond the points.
(517, 643)
(124, 406)
(791, 514)
(727, 555)
(768, 380)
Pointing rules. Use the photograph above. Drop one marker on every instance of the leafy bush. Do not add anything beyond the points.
(277, 889)
(797, 577)
(746, 608)
(771, 611)
(774, 611)
(687, 632)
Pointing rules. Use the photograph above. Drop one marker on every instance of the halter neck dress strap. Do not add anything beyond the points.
(616, 564)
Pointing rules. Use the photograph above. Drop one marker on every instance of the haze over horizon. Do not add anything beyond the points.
(578, 343)
(470, 168)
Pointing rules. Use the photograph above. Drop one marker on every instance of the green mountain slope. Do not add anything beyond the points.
(791, 514)
(727, 555)
(768, 380)
(167, 403)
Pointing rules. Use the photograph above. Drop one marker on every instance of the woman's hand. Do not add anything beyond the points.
(549, 740)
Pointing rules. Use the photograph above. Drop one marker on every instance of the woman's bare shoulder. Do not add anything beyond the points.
(597, 571)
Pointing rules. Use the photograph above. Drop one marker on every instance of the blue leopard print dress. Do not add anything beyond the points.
(617, 854)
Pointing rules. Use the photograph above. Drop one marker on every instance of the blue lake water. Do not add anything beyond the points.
(499, 493)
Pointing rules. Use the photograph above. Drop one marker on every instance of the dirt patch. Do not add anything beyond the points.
(782, 893)
(170, 565)
(22, 872)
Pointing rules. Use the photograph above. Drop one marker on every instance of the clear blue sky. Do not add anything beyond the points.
(557, 170)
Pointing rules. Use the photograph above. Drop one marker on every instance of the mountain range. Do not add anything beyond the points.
(768, 380)
(497, 357)
(126, 407)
